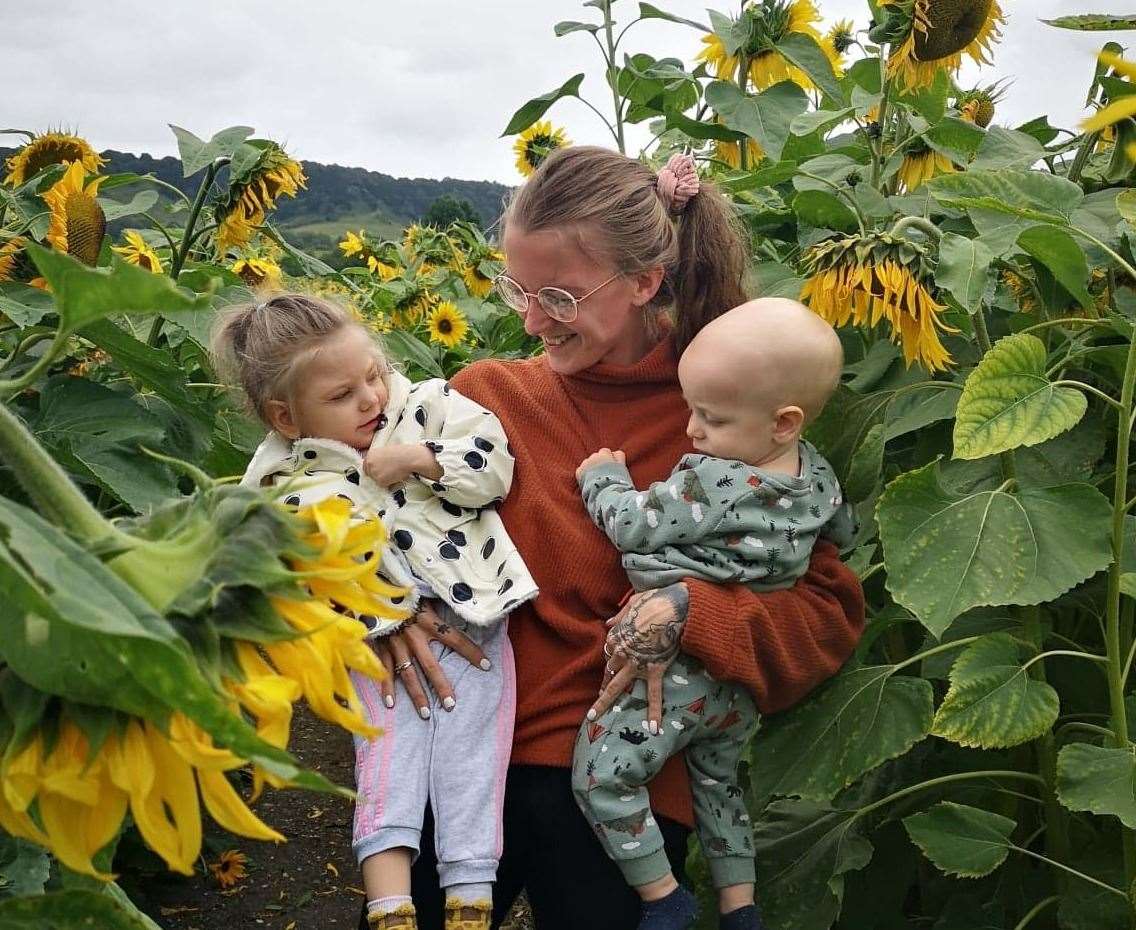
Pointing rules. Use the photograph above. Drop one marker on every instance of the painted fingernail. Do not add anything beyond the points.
(449, 703)
(424, 713)
(591, 715)
(654, 728)
(389, 701)
(485, 664)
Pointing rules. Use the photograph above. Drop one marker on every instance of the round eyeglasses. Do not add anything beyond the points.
(555, 301)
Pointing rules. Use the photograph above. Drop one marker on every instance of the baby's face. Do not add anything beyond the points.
(340, 393)
(727, 420)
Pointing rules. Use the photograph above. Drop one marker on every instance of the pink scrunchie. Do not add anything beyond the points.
(677, 182)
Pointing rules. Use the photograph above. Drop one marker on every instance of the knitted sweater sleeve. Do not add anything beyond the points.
(779, 644)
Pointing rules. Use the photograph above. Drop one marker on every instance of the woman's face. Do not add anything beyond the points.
(610, 326)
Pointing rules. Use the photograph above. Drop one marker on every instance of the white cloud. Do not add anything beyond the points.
(413, 89)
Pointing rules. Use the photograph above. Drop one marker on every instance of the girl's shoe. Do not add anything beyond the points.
(402, 918)
(461, 915)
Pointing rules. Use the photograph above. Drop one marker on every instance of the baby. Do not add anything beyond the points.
(430, 463)
(746, 508)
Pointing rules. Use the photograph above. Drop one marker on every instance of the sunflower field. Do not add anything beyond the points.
(974, 765)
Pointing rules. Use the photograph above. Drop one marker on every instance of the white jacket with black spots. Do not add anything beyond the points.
(446, 532)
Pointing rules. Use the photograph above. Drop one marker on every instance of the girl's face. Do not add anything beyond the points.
(338, 394)
(610, 326)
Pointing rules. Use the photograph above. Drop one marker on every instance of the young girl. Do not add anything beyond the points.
(430, 463)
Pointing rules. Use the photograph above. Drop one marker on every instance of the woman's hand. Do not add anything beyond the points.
(642, 641)
(400, 651)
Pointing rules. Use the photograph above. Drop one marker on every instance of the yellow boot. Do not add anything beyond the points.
(468, 916)
(401, 918)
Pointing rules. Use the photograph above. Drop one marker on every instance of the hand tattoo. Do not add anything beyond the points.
(658, 640)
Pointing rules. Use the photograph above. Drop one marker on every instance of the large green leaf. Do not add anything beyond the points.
(404, 346)
(946, 553)
(74, 909)
(197, 153)
(958, 139)
(1093, 22)
(1098, 780)
(1033, 195)
(1059, 252)
(803, 851)
(141, 202)
(993, 702)
(73, 628)
(961, 840)
(867, 464)
(859, 719)
(24, 867)
(1008, 402)
(804, 51)
(964, 266)
(530, 112)
(84, 295)
(1007, 148)
(650, 11)
(765, 117)
(824, 210)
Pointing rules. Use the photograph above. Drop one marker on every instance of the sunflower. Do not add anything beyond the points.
(866, 279)
(768, 22)
(51, 148)
(9, 256)
(730, 152)
(934, 34)
(921, 163)
(476, 282)
(353, 244)
(1118, 109)
(382, 269)
(78, 223)
(977, 105)
(257, 272)
(1021, 289)
(447, 325)
(229, 868)
(137, 252)
(837, 41)
(252, 195)
(535, 144)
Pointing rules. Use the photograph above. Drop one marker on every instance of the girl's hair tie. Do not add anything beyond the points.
(677, 183)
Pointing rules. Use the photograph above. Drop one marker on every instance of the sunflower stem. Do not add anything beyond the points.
(925, 226)
(743, 144)
(13, 386)
(613, 76)
(1082, 157)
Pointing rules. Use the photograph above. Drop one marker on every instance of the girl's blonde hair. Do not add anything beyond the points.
(609, 202)
(262, 346)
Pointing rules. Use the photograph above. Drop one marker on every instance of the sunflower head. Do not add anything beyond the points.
(78, 222)
(535, 144)
(447, 324)
(842, 36)
(51, 148)
(10, 255)
(921, 163)
(229, 868)
(136, 251)
(977, 105)
(258, 272)
(254, 192)
(927, 35)
(874, 278)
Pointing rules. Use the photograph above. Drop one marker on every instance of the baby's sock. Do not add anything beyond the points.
(674, 912)
(469, 906)
(744, 918)
(393, 913)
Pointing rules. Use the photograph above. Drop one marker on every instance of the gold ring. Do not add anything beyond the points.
(403, 666)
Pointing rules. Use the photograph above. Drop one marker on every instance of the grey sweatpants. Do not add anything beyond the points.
(457, 759)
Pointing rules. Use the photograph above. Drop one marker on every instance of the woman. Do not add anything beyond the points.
(598, 249)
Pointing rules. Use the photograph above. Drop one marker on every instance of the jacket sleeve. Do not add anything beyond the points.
(469, 443)
(779, 645)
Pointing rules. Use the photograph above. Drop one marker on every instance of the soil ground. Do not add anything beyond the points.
(309, 883)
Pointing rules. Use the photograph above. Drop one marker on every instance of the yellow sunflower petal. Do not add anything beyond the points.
(226, 807)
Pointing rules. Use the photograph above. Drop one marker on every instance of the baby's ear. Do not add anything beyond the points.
(787, 424)
(279, 416)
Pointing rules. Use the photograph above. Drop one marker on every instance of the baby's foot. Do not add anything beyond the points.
(674, 912)
(401, 918)
(744, 918)
(467, 915)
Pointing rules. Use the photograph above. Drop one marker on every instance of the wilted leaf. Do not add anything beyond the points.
(1008, 402)
(961, 840)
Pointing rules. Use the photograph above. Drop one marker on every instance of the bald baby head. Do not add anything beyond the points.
(756, 360)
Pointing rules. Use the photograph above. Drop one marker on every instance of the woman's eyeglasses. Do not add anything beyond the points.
(555, 301)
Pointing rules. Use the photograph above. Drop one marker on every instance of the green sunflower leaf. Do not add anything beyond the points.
(867, 463)
(197, 154)
(765, 117)
(569, 26)
(963, 269)
(75, 909)
(993, 703)
(805, 52)
(1008, 402)
(1098, 780)
(1059, 252)
(530, 112)
(855, 722)
(961, 840)
(947, 552)
(649, 11)
(823, 210)
(1034, 195)
(24, 867)
(1092, 22)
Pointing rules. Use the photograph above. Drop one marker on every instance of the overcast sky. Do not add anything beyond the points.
(416, 89)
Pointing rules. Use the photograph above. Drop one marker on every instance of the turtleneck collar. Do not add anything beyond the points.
(619, 383)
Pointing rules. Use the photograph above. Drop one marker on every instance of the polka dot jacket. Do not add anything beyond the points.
(446, 534)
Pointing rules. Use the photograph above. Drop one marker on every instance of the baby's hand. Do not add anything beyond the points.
(388, 465)
(602, 457)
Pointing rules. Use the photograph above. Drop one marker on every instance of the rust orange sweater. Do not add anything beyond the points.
(779, 645)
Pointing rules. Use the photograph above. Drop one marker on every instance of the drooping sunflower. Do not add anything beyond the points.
(766, 23)
(921, 163)
(730, 152)
(837, 41)
(51, 148)
(137, 252)
(9, 256)
(382, 269)
(447, 324)
(868, 279)
(257, 272)
(977, 105)
(229, 868)
(536, 143)
(1021, 289)
(254, 193)
(478, 281)
(927, 35)
(353, 243)
(78, 223)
